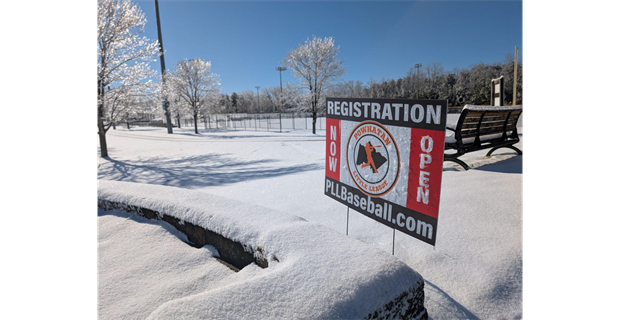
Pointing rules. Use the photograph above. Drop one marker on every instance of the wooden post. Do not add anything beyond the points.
(514, 80)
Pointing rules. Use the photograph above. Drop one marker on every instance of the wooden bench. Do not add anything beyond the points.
(483, 127)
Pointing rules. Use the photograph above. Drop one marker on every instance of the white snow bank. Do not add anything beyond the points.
(319, 272)
(143, 264)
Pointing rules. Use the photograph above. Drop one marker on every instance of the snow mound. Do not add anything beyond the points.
(318, 273)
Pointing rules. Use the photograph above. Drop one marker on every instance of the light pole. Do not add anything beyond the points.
(258, 95)
(281, 69)
(163, 69)
(417, 67)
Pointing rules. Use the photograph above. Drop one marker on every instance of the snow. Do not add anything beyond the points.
(474, 271)
(318, 274)
(142, 264)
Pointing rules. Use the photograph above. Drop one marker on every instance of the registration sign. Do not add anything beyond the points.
(384, 159)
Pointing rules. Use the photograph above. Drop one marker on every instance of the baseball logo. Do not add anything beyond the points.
(373, 159)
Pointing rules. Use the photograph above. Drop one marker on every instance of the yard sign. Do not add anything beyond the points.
(384, 159)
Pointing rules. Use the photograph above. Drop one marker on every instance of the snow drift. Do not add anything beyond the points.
(313, 271)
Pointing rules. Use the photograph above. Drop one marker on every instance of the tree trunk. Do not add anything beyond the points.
(179, 121)
(314, 107)
(103, 145)
(102, 142)
(313, 122)
(195, 123)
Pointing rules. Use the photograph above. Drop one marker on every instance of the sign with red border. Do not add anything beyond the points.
(384, 159)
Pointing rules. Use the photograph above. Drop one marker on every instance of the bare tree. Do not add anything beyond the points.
(123, 57)
(315, 63)
(194, 83)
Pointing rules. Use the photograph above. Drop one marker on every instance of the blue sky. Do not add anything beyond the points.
(245, 41)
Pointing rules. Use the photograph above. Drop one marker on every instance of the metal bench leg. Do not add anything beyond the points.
(511, 147)
(463, 164)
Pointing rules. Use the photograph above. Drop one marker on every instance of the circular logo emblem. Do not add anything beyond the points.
(373, 159)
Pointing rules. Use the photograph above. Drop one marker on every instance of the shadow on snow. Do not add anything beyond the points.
(195, 171)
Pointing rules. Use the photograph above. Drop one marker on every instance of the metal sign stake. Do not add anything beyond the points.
(393, 237)
(347, 221)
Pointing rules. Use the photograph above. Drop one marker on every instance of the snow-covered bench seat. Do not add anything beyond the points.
(310, 271)
(482, 127)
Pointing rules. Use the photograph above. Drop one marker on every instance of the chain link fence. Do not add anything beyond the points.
(265, 121)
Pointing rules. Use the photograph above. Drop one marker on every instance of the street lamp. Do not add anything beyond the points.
(281, 69)
(258, 95)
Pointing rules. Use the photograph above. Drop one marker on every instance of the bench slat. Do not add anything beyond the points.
(483, 124)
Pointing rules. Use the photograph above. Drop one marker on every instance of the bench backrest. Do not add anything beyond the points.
(487, 123)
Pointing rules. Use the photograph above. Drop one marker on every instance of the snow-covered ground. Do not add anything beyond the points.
(314, 272)
(475, 269)
(142, 263)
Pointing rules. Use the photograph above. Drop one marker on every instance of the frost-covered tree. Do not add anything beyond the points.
(234, 101)
(315, 63)
(125, 103)
(177, 106)
(193, 81)
(297, 98)
(247, 101)
(123, 58)
(273, 98)
(349, 89)
(460, 86)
